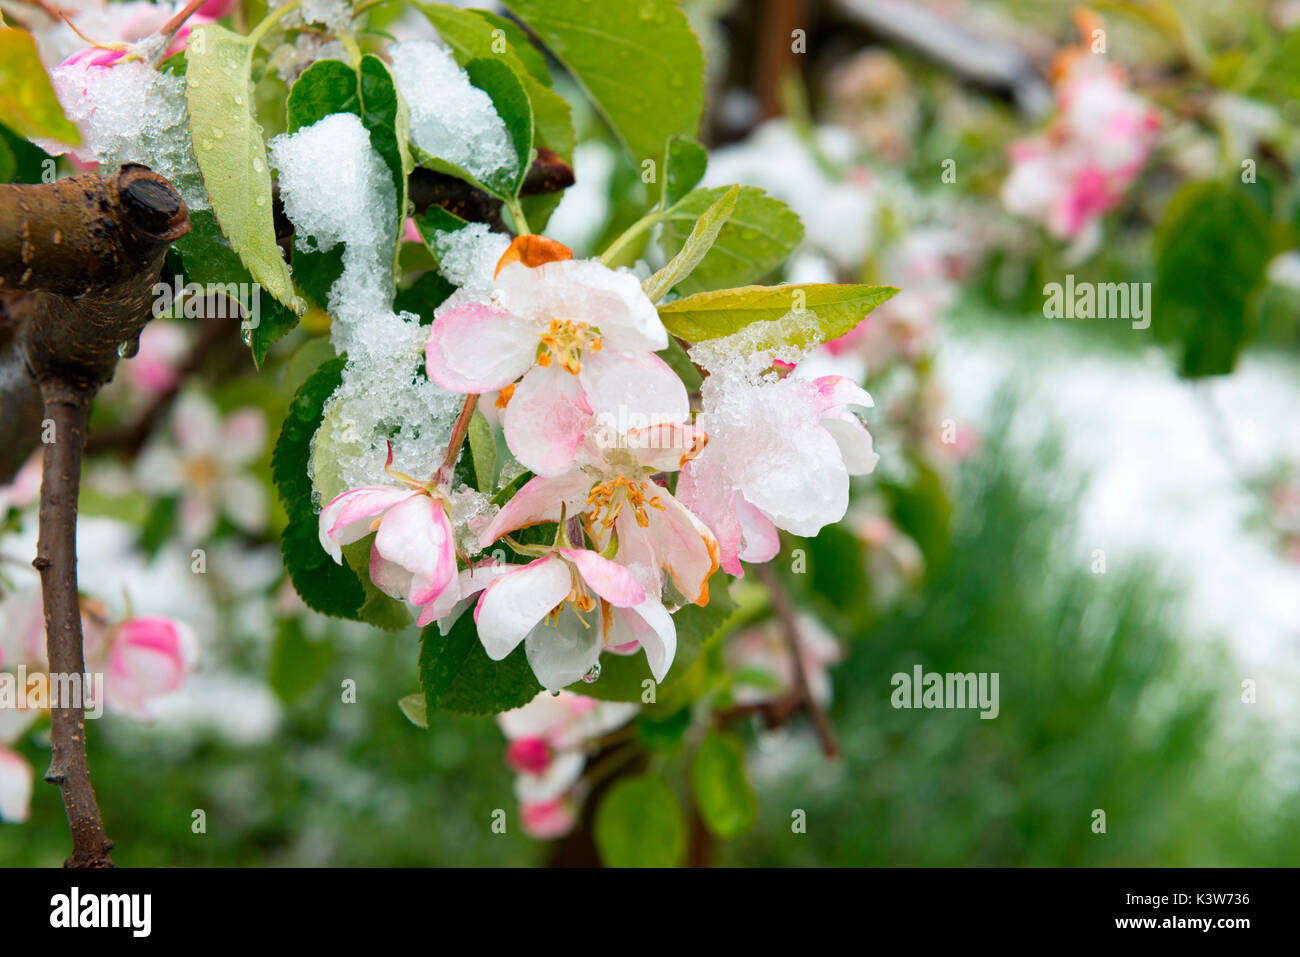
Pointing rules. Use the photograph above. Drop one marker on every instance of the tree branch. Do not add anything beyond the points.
(790, 629)
(78, 260)
(65, 407)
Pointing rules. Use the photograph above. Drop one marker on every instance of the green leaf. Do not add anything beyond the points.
(29, 159)
(327, 587)
(378, 609)
(499, 82)
(469, 34)
(385, 117)
(639, 824)
(414, 708)
(208, 258)
(761, 232)
(325, 87)
(518, 43)
(640, 64)
(1211, 250)
(663, 734)
(695, 248)
(28, 105)
(483, 451)
(798, 315)
(457, 675)
(726, 802)
(297, 662)
(423, 296)
(8, 163)
(623, 677)
(684, 163)
(231, 155)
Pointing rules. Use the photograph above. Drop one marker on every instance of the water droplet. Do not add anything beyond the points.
(555, 694)
(218, 133)
(260, 201)
(239, 100)
(206, 144)
(258, 166)
(129, 348)
(593, 674)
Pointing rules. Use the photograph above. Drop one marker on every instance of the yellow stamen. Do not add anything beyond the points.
(610, 497)
(564, 341)
(504, 396)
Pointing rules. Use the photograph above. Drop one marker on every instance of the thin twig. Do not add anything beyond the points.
(131, 437)
(790, 629)
(65, 407)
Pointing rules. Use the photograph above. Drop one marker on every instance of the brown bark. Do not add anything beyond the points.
(78, 260)
(65, 407)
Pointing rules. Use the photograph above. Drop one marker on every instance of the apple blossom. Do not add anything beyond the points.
(547, 750)
(543, 605)
(611, 486)
(142, 658)
(763, 648)
(580, 334)
(206, 466)
(1069, 176)
(414, 553)
(811, 443)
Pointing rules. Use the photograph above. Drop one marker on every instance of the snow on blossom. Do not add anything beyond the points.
(205, 464)
(780, 451)
(15, 786)
(1067, 177)
(543, 605)
(547, 750)
(764, 649)
(129, 112)
(580, 334)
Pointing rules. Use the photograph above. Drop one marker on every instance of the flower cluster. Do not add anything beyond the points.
(1067, 177)
(549, 741)
(140, 659)
(568, 350)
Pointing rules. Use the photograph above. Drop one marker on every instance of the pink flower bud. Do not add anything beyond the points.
(528, 755)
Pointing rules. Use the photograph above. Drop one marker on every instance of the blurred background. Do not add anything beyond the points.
(1105, 514)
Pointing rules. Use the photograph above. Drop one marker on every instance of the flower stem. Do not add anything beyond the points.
(458, 433)
(169, 28)
(517, 214)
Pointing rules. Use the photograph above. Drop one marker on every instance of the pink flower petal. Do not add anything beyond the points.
(348, 517)
(546, 420)
(513, 605)
(539, 501)
(478, 349)
(610, 580)
(416, 535)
